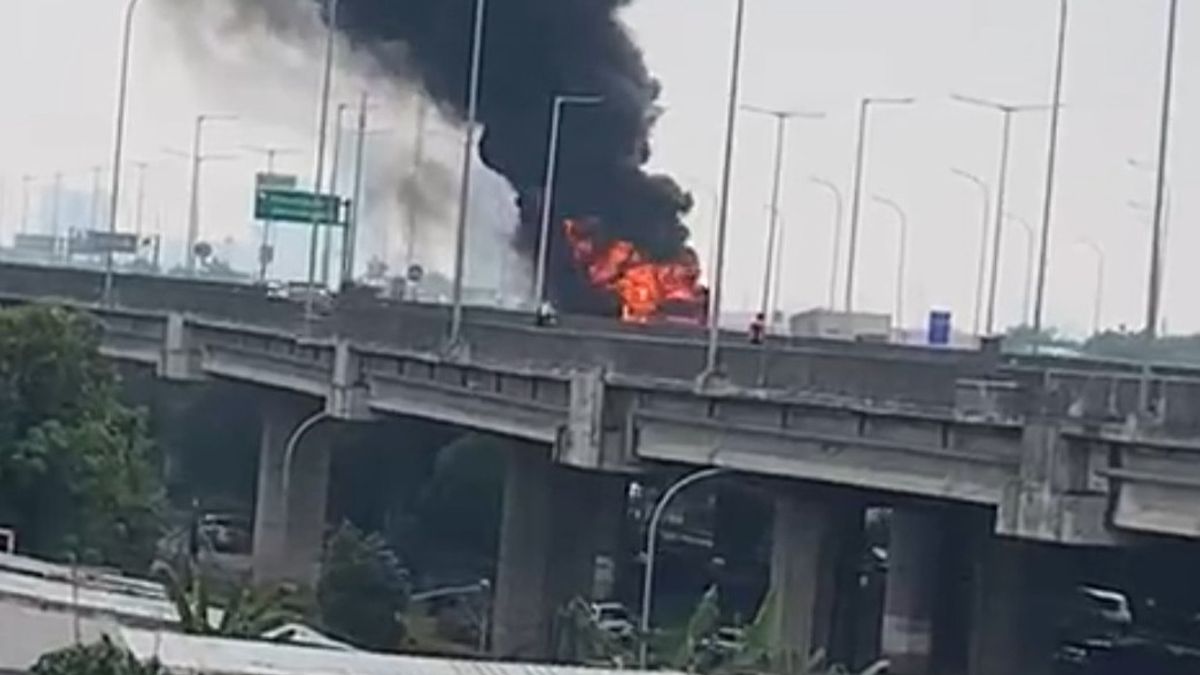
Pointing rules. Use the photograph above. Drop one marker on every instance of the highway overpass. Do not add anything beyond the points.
(1069, 453)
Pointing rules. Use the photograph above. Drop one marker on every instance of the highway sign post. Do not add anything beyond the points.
(298, 206)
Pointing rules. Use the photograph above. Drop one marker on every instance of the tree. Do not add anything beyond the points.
(77, 477)
(249, 612)
(101, 658)
(362, 590)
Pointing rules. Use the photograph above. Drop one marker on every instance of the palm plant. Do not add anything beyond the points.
(756, 653)
(249, 612)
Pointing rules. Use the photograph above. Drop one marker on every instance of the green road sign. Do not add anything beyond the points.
(297, 206)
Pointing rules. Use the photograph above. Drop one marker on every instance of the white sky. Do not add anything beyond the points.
(58, 68)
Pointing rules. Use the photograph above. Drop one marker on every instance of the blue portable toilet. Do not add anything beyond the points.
(939, 327)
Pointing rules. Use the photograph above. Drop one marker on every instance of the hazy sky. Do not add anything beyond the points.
(58, 67)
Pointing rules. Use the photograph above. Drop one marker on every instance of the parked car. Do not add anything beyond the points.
(613, 618)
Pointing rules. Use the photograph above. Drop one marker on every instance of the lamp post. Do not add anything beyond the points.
(114, 195)
(983, 233)
(901, 257)
(712, 356)
(1154, 292)
(331, 8)
(26, 181)
(1030, 255)
(1098, 299)
(543, 247)
(335, 165)
(782, 117)
(651, 548)
(350, 241)
(838, 203)
(1007, 111)
(193, 227)
(464, 196)
(1051, 169)
(856, 196)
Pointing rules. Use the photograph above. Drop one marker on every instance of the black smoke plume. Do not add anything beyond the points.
(534, 50)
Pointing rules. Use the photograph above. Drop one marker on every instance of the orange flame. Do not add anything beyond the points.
(648, 291)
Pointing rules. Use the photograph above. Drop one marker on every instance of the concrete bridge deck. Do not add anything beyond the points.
(1064, 454)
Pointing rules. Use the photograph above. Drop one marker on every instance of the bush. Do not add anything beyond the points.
(362, 590)
(101, 658)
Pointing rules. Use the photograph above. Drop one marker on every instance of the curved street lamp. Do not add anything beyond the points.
(651, 547)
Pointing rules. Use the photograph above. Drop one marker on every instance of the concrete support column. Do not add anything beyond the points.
(1011, 631)
(912, 591)
(288, 534)
(548, 547)
(810, 536)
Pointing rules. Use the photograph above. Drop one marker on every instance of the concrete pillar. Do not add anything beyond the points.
(1011, 630)
(810, 536)
(912, 591)
(549, 540)
(288, 535)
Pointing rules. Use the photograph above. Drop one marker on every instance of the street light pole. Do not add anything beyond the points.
(651, 548)
(25, 182)
(327, 244)
(838, 202)
(1030, 255)
(464, 196)
(140, 205)
(114, 194)
(322, 137)
(356, 210)
(983, 233)
(782, 117)
(1098, 301)
(856, 196)
(901, 257)
(418, 161)
(193, 227)
(543, 246)
(1154, 292)
(1007, 111)
(1051, 169)
(712, 356)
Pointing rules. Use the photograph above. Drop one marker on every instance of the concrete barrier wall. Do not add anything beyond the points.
(878, 372)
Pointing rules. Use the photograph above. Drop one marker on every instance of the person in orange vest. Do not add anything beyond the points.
(758, 329)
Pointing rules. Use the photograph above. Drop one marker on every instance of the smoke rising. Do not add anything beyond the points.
(533, 51)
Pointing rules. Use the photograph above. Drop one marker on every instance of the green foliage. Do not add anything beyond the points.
(363, 590)
(755, 653)
(248, 613)
(701, 626)
(76, 473)
(101, 658)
